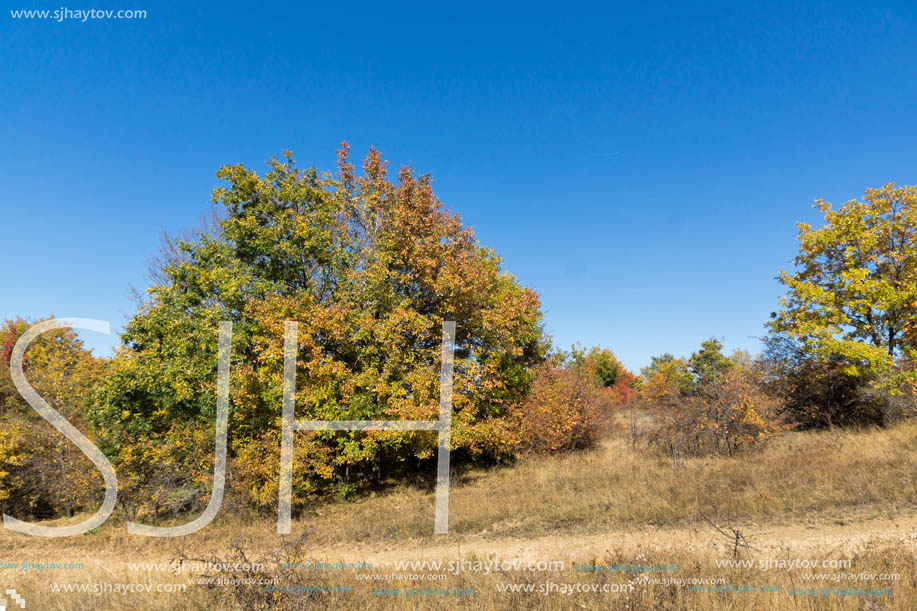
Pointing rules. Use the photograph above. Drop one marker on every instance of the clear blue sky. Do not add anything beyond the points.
(641, 168)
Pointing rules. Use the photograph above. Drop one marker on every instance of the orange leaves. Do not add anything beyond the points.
(395, 264)
(720, 413)
(369, 268)
(566, 410)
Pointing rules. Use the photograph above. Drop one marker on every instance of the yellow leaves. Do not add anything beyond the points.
(852, 295)
(13, 454)
(370, 269)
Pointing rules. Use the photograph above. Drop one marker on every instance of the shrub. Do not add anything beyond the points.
(821, 391)
(565, 410)
(701, 409)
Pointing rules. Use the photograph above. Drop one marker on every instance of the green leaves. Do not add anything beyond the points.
(370, 269)
(855, 289)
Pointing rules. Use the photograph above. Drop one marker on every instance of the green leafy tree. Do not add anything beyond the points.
(601, 363)
(709, 366)
(854, 294)
(605, 367)
(370, 269)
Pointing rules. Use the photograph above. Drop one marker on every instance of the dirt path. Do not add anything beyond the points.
(821, 535)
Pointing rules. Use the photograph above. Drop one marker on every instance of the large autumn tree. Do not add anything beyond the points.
(370, 268)
(854, 293)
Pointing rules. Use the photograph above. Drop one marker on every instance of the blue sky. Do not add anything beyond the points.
(641, 168)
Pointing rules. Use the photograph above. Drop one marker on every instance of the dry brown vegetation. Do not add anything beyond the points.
(836, 494)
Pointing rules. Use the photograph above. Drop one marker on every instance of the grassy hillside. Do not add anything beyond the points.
(827, 495)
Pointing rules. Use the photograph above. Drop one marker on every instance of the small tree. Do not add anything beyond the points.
(667, 394)
(709, 366)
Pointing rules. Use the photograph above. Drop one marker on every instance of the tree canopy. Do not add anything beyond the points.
(854, 293)
(370, 269)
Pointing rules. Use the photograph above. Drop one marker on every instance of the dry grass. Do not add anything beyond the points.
(617, 486)
(896, 559)
(595, 496)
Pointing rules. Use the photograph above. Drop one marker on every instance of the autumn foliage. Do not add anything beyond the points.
(369, 268)
(41, 472)
(708, 403)
(564, 411)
